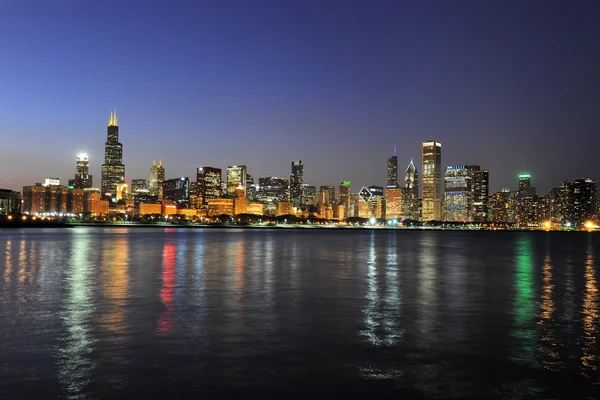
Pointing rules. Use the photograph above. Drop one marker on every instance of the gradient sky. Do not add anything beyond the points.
(503, 84)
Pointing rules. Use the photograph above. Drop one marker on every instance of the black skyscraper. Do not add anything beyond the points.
(113, 170)
(296, 186)
(392, 171)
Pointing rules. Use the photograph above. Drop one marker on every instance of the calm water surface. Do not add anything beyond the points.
(182, 313)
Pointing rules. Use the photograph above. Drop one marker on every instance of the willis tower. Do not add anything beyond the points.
(113, 170)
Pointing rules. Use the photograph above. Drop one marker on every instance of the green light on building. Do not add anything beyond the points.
(346, 183)
(521, 176)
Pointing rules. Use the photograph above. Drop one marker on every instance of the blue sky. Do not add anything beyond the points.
(506, 85)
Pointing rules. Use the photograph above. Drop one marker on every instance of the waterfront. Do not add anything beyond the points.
(93, 312)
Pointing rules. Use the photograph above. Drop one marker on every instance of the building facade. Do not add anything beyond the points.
(297, 184)
(178, 191)
(113, 169)
(82, 179)
(10, 202)
(411, 193)
(236, 176)
(157, 178)
(392, 170)
(432, 181)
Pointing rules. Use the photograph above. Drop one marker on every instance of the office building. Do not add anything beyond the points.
(344, 198)
(480, 189)
(432, 181)
(240, 204)
(273, 189)
(34, 199)
(113, 170)
(177, 191)
(527, 202)
(326, 195)
(310, 194)
(392, 170)
(82, 179)
(236, 176)
(208, 181)
(75, 201)
(138, 184)
(296, 184)
(585, 195)
(411, 193)
(251, 190)
(10, 202)
(157, 178)
(394, 203)
(457, 195)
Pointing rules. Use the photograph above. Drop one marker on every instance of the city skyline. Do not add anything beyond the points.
(260, 92)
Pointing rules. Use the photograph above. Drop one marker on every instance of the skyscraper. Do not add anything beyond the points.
(157, 177)
(178, 191)
(457, 196)
(208, 181)
(480, 187)
(432, 180)
(138, 184)
(113, 170)
(392, 170)
(273, 189)
(411, 192)
(585, 192)
(82, 178)
(236, 175)
(344, 196)
(296, 187)
(527, 202)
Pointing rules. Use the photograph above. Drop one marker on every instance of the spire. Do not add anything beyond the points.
(394, 150)
(154, 162)
(160, 162)
(113, 118)
(411, 167)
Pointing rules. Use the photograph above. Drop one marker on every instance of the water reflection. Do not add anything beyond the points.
(589, 358)
(115, 277)
(75, 362)
(549, 344)
(524, 303)
(165, 321)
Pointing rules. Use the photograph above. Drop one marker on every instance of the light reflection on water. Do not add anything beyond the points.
(89, 313)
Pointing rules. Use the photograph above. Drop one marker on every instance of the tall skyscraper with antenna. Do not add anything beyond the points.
(392, 171)
(113, 169)
(157, 178)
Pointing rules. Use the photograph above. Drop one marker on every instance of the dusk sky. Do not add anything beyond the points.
(502, 84)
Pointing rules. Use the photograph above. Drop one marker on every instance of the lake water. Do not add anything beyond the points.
(96, 312)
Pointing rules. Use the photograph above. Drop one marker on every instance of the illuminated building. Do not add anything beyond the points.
(93, 203)
(56, 199)
(565, 203)
(157, 178)
(283, 208)
(240, 203)
(296, 184)
(208, 180)
(585, 193)
(220, 206)
(75, 202)
(188, 212)
(371, 198)
(236, 175)
(51, 182)
(480, 182)
(310, 195)
(82, 178)
(138, 184)
(326, 195)
(273, 189)
(168, 207)
(10, 202)
(255, 208)
(177, 191)
(411, 193)
(34, 199)
(339, 212)
(392, 170)
(527, 202)
(432, 181)
(113, 170)
(148, 208)
(344, 197)
(325, 211)
(394, 202)
(549, 207)
(457, 196)
(362, 208)
(251, 190)
(122, 191)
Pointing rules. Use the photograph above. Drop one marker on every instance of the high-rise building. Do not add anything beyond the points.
(392, 170)
(208, 184)
(480, 188)
(236, 175)
(34, 199)
(585, 193)
(296, 184)
(251, 191)
(457, 195)
(372, 196)
(394, 202)
(527, 202)
(326, 194)
(502, 207)
(310, 194)
(157, 177)
(82, 178)
(565, 203)
(113, 170)
(75, 202)
(344, 197)
(432, 181)
(178, 191)
(138, 184)
(273, 189)
(240, 203)
(411, 192)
